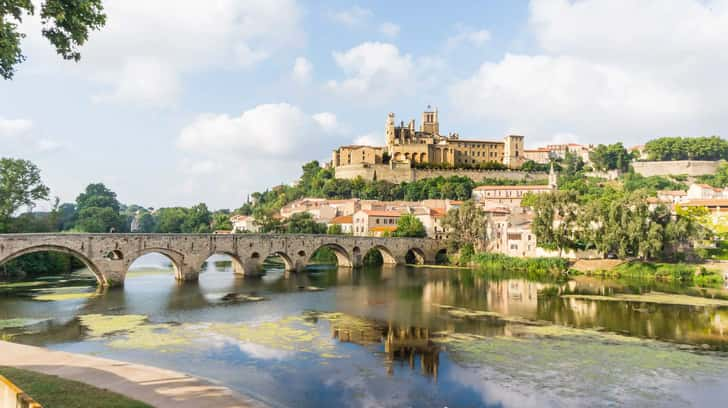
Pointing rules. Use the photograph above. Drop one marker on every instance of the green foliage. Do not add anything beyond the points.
(20, 185)
(610, 157)
(303, 223)
(98, 220)
(41, 263)
(334, 229)
(221, 222)
(532, 267)
(66, 24)
(669, 272)
(532, 166)
(687, 148)
(719, 179)
(97, 195)
(409, 226)
(634, 182)
(466, 225)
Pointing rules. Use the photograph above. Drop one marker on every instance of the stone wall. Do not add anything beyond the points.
(666, 168)
(403, 173)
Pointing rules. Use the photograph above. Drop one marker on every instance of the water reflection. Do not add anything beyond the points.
(378, 331)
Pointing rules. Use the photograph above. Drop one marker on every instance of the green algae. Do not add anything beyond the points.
(101, 325)
(24, 284)
(571, 362)
(654, 297)
(148, 271)
(59, 297)
(18, 323)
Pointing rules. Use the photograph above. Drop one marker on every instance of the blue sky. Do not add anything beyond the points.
(179, 102)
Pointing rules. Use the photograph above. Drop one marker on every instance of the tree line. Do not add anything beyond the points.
(687, 148)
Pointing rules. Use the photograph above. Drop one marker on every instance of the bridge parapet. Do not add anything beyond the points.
(109, 256)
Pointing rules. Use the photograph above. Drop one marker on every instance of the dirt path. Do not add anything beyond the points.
(155, 386)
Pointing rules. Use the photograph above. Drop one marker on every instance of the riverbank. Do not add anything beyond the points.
(154, 386)
(54, 391)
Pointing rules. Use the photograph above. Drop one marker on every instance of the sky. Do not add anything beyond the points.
(177, 102)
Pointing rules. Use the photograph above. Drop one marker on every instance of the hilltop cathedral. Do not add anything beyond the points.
(406, 144)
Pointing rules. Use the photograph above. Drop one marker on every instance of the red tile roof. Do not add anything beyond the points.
(344, 219)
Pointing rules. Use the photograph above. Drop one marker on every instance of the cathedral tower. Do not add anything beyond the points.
(430, 123)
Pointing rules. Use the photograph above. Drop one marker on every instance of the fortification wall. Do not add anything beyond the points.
(666, 168)
(399, 174)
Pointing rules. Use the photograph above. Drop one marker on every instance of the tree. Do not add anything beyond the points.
(467, 224)
(20, 184)
(410, 226)
(197, 219)
(97, 195)
(610, 157)
(170, 220)
(98, 219)
(334, 229)
(66, 24)
(555, 219)
(221, 222)
(687, 148)
(303, 223)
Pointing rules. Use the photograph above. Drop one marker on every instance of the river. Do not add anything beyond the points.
(392, 336)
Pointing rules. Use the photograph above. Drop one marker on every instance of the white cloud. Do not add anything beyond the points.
(370, 139)
(302, 70)
(147, 81)
(272, 130)
(327, 121)
(351, 17)
(661, 72)
(373, 70)
(389, 29)
(172, 38)
(14, 127)
(468, 36)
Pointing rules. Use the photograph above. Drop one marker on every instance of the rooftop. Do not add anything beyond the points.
(491, 188)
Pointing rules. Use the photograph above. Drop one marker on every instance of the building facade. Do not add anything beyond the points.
(405, 143)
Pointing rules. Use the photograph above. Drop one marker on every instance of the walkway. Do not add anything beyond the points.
(154, 386)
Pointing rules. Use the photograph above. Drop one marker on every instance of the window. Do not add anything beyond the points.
(377, 220)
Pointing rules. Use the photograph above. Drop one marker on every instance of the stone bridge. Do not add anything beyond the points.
(109, 256)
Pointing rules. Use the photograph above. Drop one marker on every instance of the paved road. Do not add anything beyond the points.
(155, 386)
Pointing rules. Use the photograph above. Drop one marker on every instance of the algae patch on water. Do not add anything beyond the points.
(572, 364)
(102, 325)
(654, 297)
(17, 323)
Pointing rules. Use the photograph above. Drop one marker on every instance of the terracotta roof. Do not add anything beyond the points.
(383, 228)
(484, 188)
(380, 213)
(707, 202)
(438, 212)
(344, 219)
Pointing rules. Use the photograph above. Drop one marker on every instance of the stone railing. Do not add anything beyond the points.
(13, 397)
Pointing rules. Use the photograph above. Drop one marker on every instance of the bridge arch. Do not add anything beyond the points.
(237, 263)
(415, 256)
(379, 251)
(60, 249)
(343, 258)
(288, 263)
(176, 258)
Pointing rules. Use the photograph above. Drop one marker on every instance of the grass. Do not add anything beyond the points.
(667, 272)
(55, 392)
(536, 268)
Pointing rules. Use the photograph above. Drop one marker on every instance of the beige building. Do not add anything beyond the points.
(244, 223)
(511, 195)
(407, 144)
(375, 223)
(511, 235)
(541, 155)
(356, 154)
